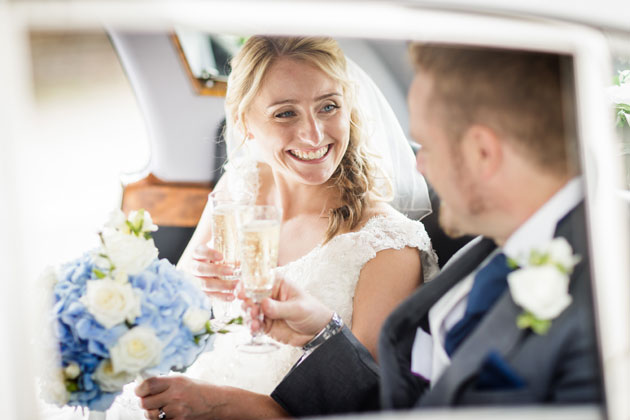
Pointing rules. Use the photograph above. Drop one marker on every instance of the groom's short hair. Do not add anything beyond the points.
(523, 96)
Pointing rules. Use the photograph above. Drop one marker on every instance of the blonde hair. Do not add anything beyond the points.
(354, 177)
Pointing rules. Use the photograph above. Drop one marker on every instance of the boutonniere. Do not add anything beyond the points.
(540, 284)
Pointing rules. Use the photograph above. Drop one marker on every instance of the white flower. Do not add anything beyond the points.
(110, 302)
(109, 380)
(195, 319)
(560, 252)
(72, 371)
(129, 253)
(121, 277)
(117, 221)
(137, 349)
(619, 94)
(142, 216)
(53, 387)
(541, 290)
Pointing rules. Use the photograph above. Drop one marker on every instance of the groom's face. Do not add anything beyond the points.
(440, 160)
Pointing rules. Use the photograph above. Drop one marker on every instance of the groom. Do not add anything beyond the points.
(497, 143)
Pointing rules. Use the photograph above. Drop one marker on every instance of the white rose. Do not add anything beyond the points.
(137, 349)
(195, 319)
(541, 290)
(72, 371)
(147, 223)
(110, 302)
(53, 388)
(129, 253)
(110, 381)
(619, 94)
(561, 253)
(117, 221)
(100, 262)
(121, 277)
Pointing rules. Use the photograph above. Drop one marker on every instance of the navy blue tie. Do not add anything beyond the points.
(490, 283)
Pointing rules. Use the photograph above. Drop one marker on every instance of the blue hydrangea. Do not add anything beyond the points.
(166, 295)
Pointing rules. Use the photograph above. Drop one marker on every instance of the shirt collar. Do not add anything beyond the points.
(539, 229)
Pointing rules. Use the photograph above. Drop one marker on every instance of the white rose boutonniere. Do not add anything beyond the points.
(541, 285)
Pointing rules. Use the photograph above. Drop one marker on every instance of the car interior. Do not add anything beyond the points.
(189, 115)
(176, 65)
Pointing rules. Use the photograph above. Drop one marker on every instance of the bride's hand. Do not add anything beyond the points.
(292, 316)
(178, 397)
(206, 267)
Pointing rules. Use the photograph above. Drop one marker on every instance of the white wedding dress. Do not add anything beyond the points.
(328, 272)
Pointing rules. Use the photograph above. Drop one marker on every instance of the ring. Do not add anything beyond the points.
(162, 414)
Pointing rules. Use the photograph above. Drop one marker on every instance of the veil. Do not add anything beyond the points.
(385, 141)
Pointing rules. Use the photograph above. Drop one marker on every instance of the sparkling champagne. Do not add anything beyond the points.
(225, 236)
(259, 244)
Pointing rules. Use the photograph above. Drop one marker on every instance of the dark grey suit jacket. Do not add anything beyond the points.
(559, 367)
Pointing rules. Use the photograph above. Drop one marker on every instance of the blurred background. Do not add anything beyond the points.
(87, 131)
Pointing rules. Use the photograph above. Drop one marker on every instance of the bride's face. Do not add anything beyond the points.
(300, 121)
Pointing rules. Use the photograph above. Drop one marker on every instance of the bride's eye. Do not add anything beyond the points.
(330, 107)
(285, 114)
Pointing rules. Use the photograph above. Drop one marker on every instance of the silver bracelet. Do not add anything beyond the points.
(333, 327)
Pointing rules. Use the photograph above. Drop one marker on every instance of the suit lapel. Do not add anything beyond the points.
(498, 330)
(417, 306)
(470, 355)
(399, 387)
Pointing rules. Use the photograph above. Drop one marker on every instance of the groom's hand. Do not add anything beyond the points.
(292, 316)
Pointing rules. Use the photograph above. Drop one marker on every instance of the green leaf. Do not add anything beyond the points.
(223, 331)
(209, 328)
(541, 326)
(238, 321)
(147, 235)
(72, 385)
(623, 107)
(139, 222)
(512, 263)
(139, 227)
(98, 273)
(561, 268)
(130, 226)
(528, 320)
(196, 339)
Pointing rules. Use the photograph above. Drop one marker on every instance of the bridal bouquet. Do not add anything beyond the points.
(119, 312)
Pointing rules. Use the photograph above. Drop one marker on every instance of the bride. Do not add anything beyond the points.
(309, 132)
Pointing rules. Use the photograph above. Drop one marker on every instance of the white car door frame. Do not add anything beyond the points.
(607, 213)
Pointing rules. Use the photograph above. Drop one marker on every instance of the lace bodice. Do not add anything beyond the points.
(330, 273)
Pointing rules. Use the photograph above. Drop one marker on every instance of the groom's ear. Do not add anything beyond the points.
(482, 150)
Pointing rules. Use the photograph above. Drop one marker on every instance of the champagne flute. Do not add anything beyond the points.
(259, 234)
(226, 206)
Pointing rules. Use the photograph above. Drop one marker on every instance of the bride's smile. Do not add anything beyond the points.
(299, 122)
(311, 156)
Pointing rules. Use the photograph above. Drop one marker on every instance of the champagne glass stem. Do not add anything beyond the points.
(258, 343)
(258, 333)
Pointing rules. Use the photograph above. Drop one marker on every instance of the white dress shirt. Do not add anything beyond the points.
(428, 356)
